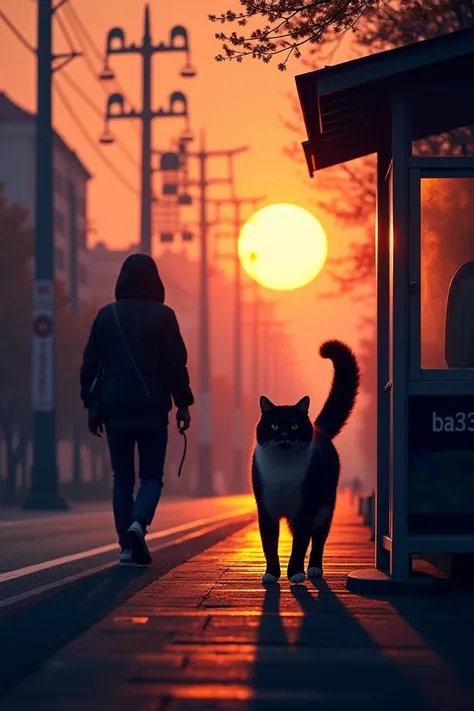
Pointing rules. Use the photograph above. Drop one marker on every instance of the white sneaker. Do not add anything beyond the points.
(136, 537)
(126, 557)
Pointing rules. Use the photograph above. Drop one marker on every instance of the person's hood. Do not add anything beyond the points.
(139, 279)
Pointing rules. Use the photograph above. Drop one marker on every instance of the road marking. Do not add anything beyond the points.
(98, 569)
(40, 567)
(41, 517)
(67, 516)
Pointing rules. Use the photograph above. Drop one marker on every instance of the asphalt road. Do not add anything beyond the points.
(32, 540)
(58, 573)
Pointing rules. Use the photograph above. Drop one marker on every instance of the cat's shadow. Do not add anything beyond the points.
(282, 637)
(271, 630)
(308, 597)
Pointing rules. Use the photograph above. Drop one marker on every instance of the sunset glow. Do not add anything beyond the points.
(282, 247)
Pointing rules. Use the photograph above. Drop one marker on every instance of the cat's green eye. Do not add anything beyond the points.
(294, 427)
(274, 427)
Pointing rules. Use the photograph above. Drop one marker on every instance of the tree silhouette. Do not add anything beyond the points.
(16, 288)
(16, 247)
(283, 27)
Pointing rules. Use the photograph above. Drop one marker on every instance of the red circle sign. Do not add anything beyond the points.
(43, 326)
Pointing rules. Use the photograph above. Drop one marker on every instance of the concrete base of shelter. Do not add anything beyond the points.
(371, 581)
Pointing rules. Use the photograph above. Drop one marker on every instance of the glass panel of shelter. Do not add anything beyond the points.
(446, 261)
(440, 450)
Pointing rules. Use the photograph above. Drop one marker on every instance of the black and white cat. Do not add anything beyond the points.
(295, 468)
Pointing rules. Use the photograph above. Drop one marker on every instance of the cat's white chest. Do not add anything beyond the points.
(282, 479)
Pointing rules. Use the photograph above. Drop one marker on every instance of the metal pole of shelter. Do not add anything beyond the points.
(382, 496)
(400, 558)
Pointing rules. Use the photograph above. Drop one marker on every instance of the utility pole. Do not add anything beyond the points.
(44, 493)
(74, 300)
(260, 371)
(238, 462)
(204, 435)
(267, 326)
(256, 333)
(277, 338)
(276, 365)
(116, 105)
(205, 473)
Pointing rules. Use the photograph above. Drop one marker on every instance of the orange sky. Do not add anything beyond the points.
(236, 103)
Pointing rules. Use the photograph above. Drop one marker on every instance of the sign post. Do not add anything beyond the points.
(43, 346)
(44, 492)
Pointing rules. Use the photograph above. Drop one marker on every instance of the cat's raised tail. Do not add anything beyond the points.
(344, 388)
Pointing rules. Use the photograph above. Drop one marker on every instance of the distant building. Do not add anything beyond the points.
(17, 174)
(176, 271)
(104, 266)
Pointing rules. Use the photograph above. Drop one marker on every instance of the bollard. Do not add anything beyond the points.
(367, 511)
(370, 522)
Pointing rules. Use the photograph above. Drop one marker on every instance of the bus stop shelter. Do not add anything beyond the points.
(397, 105)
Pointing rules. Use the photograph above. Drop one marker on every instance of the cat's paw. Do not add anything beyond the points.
(269, 579)
(315, 572)
(297, 578)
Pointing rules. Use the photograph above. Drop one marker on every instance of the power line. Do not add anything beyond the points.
(87, 36)
(92, 142)
(17, 33)
(85, 33)
(76, 21)
(71, 111)
(89, 64)
(93, 106)
(84, 96)
(65, 32)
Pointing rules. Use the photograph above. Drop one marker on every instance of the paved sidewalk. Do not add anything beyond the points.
(208, 636)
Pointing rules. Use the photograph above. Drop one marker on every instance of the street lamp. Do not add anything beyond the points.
(177, 107)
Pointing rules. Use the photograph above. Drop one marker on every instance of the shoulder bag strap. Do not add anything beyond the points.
(130, 354)
(97, 378)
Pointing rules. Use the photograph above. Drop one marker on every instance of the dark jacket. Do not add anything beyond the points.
(155, 340)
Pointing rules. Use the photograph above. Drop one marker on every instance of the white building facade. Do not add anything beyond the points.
(17, 175)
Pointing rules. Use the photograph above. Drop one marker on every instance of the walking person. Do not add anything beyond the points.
(134, 367)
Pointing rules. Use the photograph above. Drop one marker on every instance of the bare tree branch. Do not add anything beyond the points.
(285, 26)
(289, 24)
(348, 191)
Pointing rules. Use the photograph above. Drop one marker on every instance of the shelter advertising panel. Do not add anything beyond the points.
(441, 464)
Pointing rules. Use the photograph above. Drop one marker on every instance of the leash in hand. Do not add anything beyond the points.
(185, 449)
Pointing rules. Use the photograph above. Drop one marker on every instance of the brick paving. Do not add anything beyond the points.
(208, 636)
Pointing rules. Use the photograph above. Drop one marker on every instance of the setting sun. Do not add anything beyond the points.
(282, 247)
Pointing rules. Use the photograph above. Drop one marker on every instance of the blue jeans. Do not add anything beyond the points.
(151, 455)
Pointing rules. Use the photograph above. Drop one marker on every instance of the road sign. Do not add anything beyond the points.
(43, 326)
(43, 346)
